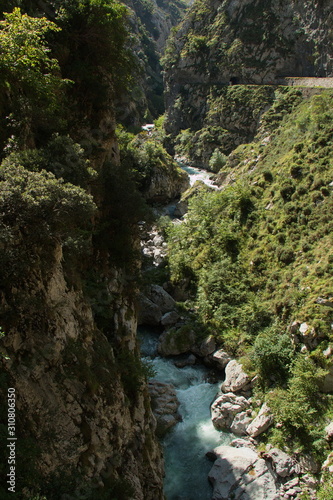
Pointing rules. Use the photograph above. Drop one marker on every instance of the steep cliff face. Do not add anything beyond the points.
(82, 405)
(83, 418)
(251, 42)
(68, 261)
(151, 22)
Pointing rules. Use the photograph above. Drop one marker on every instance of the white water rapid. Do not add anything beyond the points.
(197, 174)
(185, 446)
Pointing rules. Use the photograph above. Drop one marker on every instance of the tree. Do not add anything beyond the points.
(99, 61)
(217, 160)
(30, 78)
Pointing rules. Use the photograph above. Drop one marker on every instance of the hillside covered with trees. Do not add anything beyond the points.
(250, 264)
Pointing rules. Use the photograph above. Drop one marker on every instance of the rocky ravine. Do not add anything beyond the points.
(240, 471)
(250, 42)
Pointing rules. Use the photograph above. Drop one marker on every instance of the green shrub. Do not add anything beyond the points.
(37, 199)
(287, 189)
(325, 491)
(217, 160)
(268, 176)
(300, 407)
(30, 78)
(272, 356)
(61, 156)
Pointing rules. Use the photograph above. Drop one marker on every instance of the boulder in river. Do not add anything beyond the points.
(165, 405)
(155, 305)
(240, 474)
(220, 358)
(235, 377)
(148, 312)
(161, 298)
(205, 348)
(240, 423)
(176, 341)
(225, 408)
(170, 319)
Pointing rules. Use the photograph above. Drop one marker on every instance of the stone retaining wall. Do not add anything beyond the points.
(305, 81)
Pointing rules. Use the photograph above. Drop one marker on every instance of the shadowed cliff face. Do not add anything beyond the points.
(83, 417)
(151, 22)
(248, 42)
(68, 266)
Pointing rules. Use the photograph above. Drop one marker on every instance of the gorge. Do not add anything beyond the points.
(242, 90)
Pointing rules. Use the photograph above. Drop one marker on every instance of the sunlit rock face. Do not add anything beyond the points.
(242, 42)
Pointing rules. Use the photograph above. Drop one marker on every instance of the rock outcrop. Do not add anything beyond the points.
(261, 422)
(165, 405)
(225, 408)
(235, 377)
(156, 307)
(283, 464)
(74, 393)
(176, 341)
(166, 184)
(239, 473)
(150, 23)
(82, 402)
(220, 358)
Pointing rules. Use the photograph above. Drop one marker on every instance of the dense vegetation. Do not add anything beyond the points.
(66, 203)
(258, 257)
(257, 42)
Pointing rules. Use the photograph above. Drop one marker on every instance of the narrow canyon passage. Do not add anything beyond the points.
(185, 446)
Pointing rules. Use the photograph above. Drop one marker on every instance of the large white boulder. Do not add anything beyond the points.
(224, 409)
(239, 473)
(220, 358)
(240, 423)
(261, 422)
(235, 377)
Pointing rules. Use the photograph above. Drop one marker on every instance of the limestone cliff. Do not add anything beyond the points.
(251, 42)
(84, 425)
(82, 405)
(151, 22)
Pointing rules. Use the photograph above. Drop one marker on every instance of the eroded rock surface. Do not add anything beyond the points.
(235, 377)
(165, 405)
(240, 474)
(225, 408)
(261, 422)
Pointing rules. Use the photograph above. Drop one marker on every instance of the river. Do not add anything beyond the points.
(186, 445)
(197, 174)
